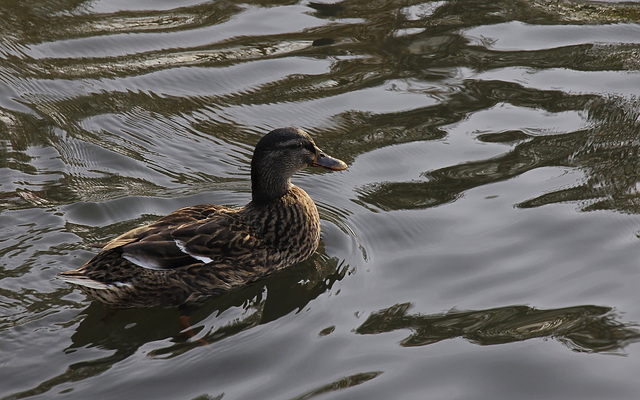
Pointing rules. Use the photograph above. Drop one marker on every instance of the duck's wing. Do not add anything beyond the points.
(221, 238)
(177, 218)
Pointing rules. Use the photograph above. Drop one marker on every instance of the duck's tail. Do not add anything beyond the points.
(77, 277)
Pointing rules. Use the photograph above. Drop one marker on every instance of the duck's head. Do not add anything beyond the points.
(280, 154)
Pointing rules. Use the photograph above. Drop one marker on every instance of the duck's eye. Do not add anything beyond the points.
(298, 145)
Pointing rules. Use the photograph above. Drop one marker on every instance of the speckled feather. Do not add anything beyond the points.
(205, 250)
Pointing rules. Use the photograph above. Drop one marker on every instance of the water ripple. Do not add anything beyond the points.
(492, 151)
(581, 328)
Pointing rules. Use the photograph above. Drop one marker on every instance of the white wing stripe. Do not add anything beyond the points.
(143, 262)
(181, 246)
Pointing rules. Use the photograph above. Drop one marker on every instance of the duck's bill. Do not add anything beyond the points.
(324, 161)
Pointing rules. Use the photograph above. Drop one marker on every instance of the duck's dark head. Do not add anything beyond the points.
(280, 154)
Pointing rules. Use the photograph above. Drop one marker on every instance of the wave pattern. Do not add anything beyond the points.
(493, 150)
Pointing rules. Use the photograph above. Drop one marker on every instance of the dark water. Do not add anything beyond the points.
(483, 244)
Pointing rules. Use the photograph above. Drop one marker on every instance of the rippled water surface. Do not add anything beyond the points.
(483, 244)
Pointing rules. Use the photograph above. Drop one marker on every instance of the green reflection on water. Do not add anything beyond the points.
(97, 106)
(590, 329)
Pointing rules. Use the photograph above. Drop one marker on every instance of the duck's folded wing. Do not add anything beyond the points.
(186, 215)
(157, 255)
(219, 239)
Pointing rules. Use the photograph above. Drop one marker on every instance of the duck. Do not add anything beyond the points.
(201, 251)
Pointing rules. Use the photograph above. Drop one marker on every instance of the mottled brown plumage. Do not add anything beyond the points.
(205, 250)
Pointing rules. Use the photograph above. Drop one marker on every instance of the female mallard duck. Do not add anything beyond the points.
(207, 249)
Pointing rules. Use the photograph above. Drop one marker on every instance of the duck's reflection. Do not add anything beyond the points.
(103, 338)
(126, 330)
(590, 329)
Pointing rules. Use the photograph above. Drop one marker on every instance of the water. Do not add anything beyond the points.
(483, 243)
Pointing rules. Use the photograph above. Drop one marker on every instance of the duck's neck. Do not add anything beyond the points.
(267, 186)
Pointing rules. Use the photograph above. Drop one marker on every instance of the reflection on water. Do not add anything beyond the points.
(115, 112)
(342, 383)
(404, 49)
(589, 329)
(607, 153)
(123, 332)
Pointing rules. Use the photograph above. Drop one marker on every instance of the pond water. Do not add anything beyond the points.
(483, 244)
